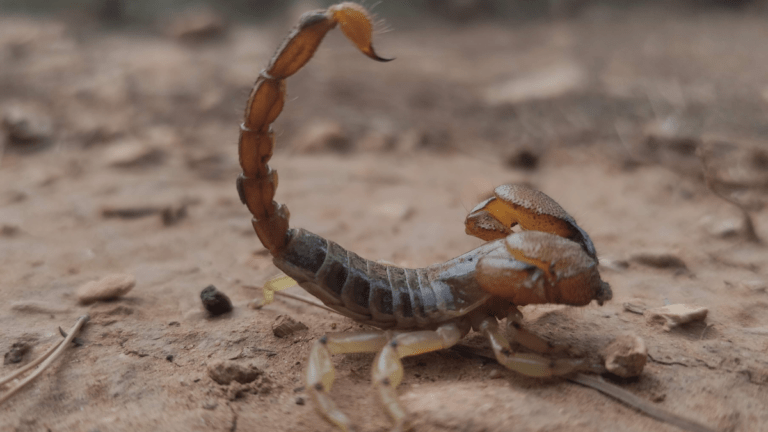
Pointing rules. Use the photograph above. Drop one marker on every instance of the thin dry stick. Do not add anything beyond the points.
(638, 403)
(32, 364)
(60, 349)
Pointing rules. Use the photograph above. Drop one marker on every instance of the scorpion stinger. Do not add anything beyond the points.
(426, 309)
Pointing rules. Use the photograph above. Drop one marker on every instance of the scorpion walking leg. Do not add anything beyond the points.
(527, 364)
(321, 373)
(527, 339)
(387, 369)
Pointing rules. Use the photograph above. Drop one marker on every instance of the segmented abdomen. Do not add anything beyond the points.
(379, 294)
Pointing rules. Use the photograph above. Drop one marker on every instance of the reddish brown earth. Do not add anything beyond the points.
(148, 122)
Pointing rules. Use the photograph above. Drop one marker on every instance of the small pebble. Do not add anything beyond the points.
(677, 314)
(25, 125)
(197, 24)
(37, 307)
(325, 136)
(524, 158)
(171, 215)
(614, 265)
(755, 286)
(226, 371)
(659, 260)
(634, 308)
(215, 301)
(9, 230)
(300, 400)
(210, 404)
(495, 374)
(132, 153)
(107, 288)
(285, 326)
(626, 356)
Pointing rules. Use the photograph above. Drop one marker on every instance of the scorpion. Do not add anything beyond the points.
(550, 260)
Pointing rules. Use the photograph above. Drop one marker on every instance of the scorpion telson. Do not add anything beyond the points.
(551, 261)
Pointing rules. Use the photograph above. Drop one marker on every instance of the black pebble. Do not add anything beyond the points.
(215, 301)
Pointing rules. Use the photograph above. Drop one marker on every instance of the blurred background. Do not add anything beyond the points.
(515, 77)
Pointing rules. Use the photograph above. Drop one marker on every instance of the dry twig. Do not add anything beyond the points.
(638, 403)
(59, 349)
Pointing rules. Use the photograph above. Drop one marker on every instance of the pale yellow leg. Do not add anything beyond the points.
(387, 371)
(321, 373)
(527, 364)
(271, 286)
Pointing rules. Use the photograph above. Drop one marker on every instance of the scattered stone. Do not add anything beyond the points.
(25, 125)
(9, 230)
(285, 326)
(674, 315)
(544, 84)
(129, 212)
(495, 373)
(626, 356)
(210, 405)
(673, 141)
(432, 140)
(107, 288)
(215, 301)
(226, 371)
(396, 210)
(37, 307)
(300, 400)
(17, 352)
(198, 24)
(132, 153)
(634, 308)
(377, 141)
(728, 228)
(755, 286)
(659, 260)
(326, 136)
(673, 134)
(614, 265)
(461, 11)
(523, 158)
(762, 331)
(171, 215)
(169, 358)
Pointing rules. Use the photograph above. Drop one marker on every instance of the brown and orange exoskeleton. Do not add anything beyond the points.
(551, 261)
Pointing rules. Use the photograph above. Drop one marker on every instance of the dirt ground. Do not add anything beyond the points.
(608, 113)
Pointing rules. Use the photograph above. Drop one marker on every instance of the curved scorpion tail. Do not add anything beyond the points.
(258, 182)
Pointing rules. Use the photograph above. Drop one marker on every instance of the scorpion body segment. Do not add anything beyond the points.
(427, 309)
(382, 295)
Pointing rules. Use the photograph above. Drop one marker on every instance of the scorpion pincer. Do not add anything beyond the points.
(552, 260)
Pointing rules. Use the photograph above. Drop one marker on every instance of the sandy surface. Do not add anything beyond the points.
(452, 109)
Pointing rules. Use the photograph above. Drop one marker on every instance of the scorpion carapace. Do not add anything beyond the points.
(551, 261)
